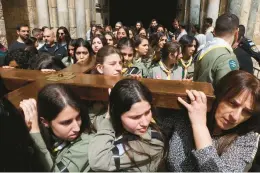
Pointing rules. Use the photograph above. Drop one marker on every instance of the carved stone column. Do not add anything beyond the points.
(234, 6)
(203, 13)
(63, 13)
(72, 19)
(223, 7)
(194, 12)
(42, 13)
(3, 39)
(53, 13)
(252, 19)
(245, 11)
(32, 14)
(256, 34)
(88, 13)
(213, 10)
(80, 18)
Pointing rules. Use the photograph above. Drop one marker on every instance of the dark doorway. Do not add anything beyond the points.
(130, 11)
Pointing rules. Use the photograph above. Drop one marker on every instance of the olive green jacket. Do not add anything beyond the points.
(72, 158)
(144, 65)
(214, 62)
(107, 155)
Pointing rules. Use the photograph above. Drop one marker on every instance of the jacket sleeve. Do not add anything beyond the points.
(100, 148)
(235, 159)
(74, 159)
(223, 65)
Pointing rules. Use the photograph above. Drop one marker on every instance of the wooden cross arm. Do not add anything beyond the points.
(16, 78)
(95, 87)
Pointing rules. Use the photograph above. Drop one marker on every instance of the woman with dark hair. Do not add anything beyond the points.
(127, 138)
(138, 26)
(157, 40)
(143, 59)
(98, 42)
(60, 129)
(126, 48)
(83, 52)
(63, 36)
(47, 63)
(111, 40)
(70, 59)
(225, 140)
(122, 32)
(19, 58)
(108, 28)
(142, 32)
(167, 67)
(189, 46)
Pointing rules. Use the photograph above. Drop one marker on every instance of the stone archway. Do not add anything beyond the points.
(144, 10)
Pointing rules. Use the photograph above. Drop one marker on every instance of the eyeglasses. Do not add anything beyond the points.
(61, 33)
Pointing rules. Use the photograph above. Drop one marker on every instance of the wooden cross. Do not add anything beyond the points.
(25, 84)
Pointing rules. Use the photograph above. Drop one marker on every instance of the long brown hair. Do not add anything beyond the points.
(230, 86)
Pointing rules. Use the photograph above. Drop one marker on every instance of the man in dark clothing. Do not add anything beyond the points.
(175, 29)
(23, 35)
(153, 27)
(247, 44)
(244, 60)
(51, 47)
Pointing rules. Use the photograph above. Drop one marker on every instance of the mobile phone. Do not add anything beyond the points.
(132, 70)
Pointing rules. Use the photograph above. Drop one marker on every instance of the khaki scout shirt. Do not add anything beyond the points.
(72, 158)
(160, 71)
(214, 62)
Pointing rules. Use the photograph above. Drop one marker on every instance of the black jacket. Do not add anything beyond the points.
(57, 50)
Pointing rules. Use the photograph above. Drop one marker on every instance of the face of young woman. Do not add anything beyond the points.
(96, 44)
(121, 33)
(160, 29)
(128, 54)
(138, 118)
(71, 51)
(162, 41)
(112, 65)
(109, 39)
(61, 35)
(82, 54)
(131, 35)
(66, 125)
(175, 57)
(231, 113)
(138, 25)
(189, 50)
(142, 32)
(142, 49)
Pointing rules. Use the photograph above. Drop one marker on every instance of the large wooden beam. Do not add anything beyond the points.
(95, 87)
(16, 78)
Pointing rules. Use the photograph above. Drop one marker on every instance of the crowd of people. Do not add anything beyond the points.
(128, 133)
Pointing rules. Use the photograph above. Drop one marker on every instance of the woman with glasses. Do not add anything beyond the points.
(63, 36)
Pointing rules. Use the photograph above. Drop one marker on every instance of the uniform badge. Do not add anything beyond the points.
(232, 64)
(254, 49)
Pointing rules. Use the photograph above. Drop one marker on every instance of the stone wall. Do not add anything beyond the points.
(15, 13)
(2, 27)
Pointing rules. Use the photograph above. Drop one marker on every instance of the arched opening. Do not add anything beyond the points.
(129, 12)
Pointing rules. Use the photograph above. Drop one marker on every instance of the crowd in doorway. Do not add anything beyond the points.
(128, 133)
